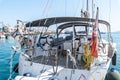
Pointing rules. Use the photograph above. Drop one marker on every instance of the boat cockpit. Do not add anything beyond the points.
(70, 47)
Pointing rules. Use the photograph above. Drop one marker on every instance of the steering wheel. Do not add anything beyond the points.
(44, 42)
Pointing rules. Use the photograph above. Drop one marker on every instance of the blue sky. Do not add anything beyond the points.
(28, 10)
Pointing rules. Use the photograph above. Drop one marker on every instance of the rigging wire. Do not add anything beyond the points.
(65, 7)
(83, 4)
(49, 8)
(109, 18)
(109, 9)
(11, 66)
(45, 8)
(77, 8)
(43, 13)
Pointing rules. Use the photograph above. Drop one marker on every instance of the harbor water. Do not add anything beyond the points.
(6, 51)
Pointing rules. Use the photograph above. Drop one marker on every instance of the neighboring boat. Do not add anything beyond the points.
(82, 55)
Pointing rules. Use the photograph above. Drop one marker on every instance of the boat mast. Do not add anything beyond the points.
(87, 6)
(92, 9)
(87, 9)
(85, 13)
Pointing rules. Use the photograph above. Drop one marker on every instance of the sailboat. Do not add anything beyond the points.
(81, 55)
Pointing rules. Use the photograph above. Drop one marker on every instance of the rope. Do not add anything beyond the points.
(87, 55)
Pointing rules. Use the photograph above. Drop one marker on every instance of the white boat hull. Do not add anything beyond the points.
(46, 72)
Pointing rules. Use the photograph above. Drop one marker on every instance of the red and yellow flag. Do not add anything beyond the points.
(94, 40)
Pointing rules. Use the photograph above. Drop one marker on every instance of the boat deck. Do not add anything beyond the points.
(57, 61)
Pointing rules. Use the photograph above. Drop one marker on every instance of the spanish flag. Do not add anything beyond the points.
(94, 40)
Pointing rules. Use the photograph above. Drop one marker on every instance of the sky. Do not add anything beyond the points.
(29, 10)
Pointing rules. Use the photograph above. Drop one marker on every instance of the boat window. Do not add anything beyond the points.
(80, 30)
(103, 31)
